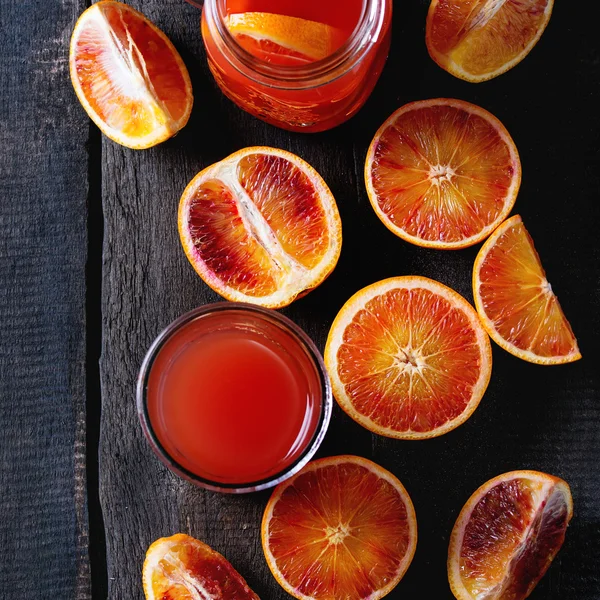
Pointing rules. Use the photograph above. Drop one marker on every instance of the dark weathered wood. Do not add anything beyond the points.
(43, 244)
(531, 417)
(147, 283)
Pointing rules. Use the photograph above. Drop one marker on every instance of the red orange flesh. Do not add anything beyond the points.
(442, 173)
(343, 527)
(181, 567)
(260, 226)
(477, 40)
(507, 535)
(515, 301)
(408, 358)
(283, 40)
(128, 76)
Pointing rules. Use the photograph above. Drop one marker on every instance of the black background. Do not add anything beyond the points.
(91, 267)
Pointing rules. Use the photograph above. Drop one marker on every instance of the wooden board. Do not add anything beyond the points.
(43, 247)
(531, 417)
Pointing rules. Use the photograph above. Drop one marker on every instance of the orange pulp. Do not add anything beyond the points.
(233, 399)
(343, 15)
(318, 103)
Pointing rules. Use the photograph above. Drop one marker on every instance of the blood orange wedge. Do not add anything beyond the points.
(128, 76)
(343, 527)
(477, 40)
(260, 226)
(284, 40)
(515, 301)
(507, 535)
(182, 568)
(442, 173)
(408, 358)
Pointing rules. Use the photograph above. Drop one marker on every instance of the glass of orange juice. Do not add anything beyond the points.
(303, 66)
(233, 397)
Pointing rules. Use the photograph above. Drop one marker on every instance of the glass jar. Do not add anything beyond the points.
(311, 97)
(234, 397)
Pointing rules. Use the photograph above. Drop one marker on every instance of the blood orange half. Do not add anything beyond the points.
(343, 527)
(182, 568)
(128, 76)
(515, 301)
(281, 39)
(442, 173)
(408, 358)
(260, 226)
(507, 535)
(477, 40)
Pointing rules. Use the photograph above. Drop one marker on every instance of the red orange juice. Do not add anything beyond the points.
(343, 14)
(300, 94)
(234, 397)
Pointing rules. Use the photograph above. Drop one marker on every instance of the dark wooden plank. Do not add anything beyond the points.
(532, 417)
(43, 244)
(147, 283)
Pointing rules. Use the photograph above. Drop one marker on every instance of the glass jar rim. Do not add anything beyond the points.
(366, 33)
(299, 336)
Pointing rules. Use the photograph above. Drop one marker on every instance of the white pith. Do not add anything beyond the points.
(439, 173)
(128, 73)
(244, 24)
(409, 359)
(294, 278)
(487, 11)
(545, 289)
(541, 495)
(444, 172)
(183, 577)
(336, 535)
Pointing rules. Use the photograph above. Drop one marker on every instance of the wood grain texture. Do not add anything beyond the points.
(43, 244)
(531, 417)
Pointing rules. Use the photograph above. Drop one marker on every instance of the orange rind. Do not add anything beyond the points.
(408, 358)
(442, 173)
(507, 535)
(260, 226)
(515, 302)
(343, 527)
(128, 76)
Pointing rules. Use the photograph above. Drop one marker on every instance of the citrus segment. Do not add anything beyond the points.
(281, 39)
(442, 173)
(477, 40)
(515, 301)
(182, 568)
(128, 76)
(342, 528)
(408, 358)
(507, 535)
(260, 226)
(291, 208)
(228, 248)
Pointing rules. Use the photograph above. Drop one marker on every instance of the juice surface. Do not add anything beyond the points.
(341, 14)
(233, 405)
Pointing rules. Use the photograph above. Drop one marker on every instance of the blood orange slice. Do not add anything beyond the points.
(515, 301)
(477, 40)
(507, 535)
(260, 226)
(128, 76)
(343, 527)
(408, 358)
(281, 39)
(182, 568)
(442, 173)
